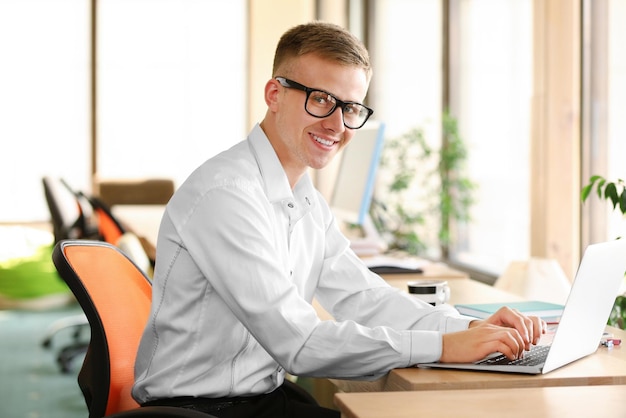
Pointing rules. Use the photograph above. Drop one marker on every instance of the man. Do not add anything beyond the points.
(247, 242)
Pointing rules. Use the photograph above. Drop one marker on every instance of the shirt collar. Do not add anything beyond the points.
(272, 172)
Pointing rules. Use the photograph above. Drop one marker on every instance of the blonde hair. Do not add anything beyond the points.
(326, 40)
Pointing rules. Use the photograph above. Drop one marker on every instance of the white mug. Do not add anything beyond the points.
(435, 292)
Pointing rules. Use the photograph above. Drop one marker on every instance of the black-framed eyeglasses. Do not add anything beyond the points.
(320, 103)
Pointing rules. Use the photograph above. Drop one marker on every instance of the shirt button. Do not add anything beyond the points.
(290, 205)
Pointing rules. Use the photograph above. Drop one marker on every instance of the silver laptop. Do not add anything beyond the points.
(582, 324)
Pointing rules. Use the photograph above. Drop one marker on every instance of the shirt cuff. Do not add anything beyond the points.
(426, 347)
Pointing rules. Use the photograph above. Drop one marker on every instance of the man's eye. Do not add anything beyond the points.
(322, 98)
(351, 109)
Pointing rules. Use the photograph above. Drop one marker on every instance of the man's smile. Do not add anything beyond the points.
(325, 142)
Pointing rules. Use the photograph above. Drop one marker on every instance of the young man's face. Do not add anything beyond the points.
(303, 140)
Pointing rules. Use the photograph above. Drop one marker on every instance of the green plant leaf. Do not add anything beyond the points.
(438, 170)
(617, 317)
(600, 183)
(622, 202)
(585, 192)
(610, 192)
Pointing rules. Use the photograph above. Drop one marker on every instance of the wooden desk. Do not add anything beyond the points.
(462, 288)
(557, 402)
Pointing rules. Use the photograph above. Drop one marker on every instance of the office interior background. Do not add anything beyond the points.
(98, 89)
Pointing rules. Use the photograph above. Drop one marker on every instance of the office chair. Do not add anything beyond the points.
(94, 220)
(111, 230)
(115, 296)
(71, 218)
(76, 215)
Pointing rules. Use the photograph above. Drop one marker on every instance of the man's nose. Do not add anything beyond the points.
(335, 120)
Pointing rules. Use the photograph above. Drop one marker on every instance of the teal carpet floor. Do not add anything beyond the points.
(31, 383)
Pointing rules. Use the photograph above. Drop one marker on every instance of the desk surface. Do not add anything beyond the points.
(463, 290)
(579, 401)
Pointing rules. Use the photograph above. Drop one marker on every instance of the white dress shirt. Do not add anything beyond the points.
(240, 257)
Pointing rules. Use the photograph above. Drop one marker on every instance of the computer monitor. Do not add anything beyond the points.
(354, 185)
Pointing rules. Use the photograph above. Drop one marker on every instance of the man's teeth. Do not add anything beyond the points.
(323, 141)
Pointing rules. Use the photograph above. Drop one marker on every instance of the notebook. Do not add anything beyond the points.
(549, 312)
(584, 317)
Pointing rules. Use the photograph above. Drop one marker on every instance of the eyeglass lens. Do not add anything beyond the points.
(322, 104)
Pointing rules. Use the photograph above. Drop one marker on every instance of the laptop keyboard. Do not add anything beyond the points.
(536, 355)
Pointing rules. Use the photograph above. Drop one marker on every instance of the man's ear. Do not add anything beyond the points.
(272, 89)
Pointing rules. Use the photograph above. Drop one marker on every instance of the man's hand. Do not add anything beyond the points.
(530, 327)
(507, 331)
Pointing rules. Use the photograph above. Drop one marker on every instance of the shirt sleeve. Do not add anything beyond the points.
(349, 290)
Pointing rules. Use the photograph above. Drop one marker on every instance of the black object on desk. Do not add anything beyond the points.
(395, 270)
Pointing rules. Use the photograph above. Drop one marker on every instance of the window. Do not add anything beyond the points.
(44, 101)
(616, 106)
(171, 83)
(405, 92)
(170, 91)
(491, 90)
(603, 109)
(406, 56)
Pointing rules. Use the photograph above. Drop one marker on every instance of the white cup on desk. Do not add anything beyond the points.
(435, 292)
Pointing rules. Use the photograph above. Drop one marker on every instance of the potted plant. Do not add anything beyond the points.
(615, 193)
(419, 186)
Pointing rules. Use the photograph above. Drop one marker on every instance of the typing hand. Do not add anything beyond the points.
(507, 331)
(481, 340)
(531, 328)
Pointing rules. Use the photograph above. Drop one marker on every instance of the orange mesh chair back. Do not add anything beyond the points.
(115, 296)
